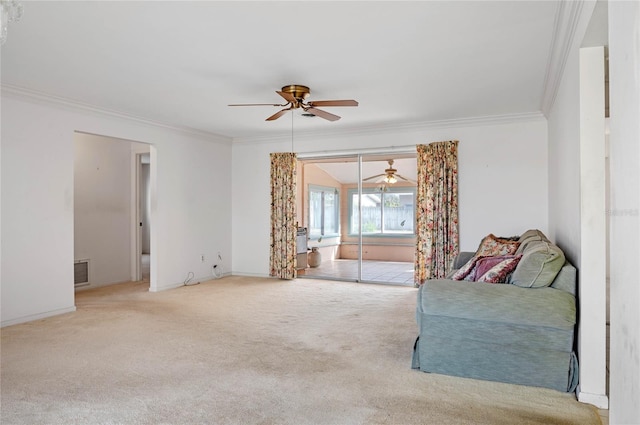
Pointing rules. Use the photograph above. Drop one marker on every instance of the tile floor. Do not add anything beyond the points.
(389, 272)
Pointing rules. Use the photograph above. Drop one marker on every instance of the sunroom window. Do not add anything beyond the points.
(324, 211)
(385, 212)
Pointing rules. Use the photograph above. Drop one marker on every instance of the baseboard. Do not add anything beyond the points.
(166, 287)
(193, 281)
(32, 317)
(88, 286)
(601, 401)
(206, 279)
(233, 273)
(217, 278)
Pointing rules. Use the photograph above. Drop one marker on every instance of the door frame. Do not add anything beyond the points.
(136, 215)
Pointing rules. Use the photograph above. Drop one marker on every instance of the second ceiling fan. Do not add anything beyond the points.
(389, 176)
(296, 96)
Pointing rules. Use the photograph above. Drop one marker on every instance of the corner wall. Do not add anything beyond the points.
(191, 214)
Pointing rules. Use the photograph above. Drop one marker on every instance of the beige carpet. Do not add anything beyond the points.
(248, 351)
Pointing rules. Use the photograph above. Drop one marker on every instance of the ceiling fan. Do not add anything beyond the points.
(389, 176)
(296, 96)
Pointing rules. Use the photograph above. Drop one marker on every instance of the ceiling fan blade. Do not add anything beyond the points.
(322, 114)
(278, 114)
(257, 104)
(374, 177)
(405, 179)
(287, 96)
(349, 102)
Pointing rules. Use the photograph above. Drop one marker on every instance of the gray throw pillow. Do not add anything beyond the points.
(532, 233)
(541, 261)
(529, 236)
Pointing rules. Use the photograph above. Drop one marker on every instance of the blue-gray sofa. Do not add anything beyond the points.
(520, 332)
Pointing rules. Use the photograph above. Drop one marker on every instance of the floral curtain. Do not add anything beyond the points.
(436, 210)
(282, 260)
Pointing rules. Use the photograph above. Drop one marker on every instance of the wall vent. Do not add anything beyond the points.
(81, 272)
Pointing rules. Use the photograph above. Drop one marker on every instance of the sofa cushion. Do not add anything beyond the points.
(540, 263)
(566, 279)
(545, 307)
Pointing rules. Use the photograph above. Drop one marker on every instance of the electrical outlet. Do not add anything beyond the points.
(202, 258)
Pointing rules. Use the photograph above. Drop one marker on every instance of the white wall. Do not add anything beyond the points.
(191, 215)
(37, 214)
(564, 163)
(624, 72)
(566, 215)
(102, 207)
(502, 180)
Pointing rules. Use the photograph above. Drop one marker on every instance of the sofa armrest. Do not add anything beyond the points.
(461, 259)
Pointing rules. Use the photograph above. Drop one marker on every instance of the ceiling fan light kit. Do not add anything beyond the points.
(296, 96)
(390, 178)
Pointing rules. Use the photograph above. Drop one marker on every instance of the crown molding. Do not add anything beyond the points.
(70, 104)
(566, 22)
(389, 128)
(382, 128)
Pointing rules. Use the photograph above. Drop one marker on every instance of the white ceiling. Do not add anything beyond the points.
(180, 63)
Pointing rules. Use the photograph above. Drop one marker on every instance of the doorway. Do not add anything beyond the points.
(106, 187)
(359, 211)
(143, 216)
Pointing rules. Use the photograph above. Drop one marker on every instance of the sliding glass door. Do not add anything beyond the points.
(322, 184)
(385, 207)
(359, 211)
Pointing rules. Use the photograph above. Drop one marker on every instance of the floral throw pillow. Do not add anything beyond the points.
(491, 269)
(492, 246)
(465, 270)
(483, 265)
(498, 270)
